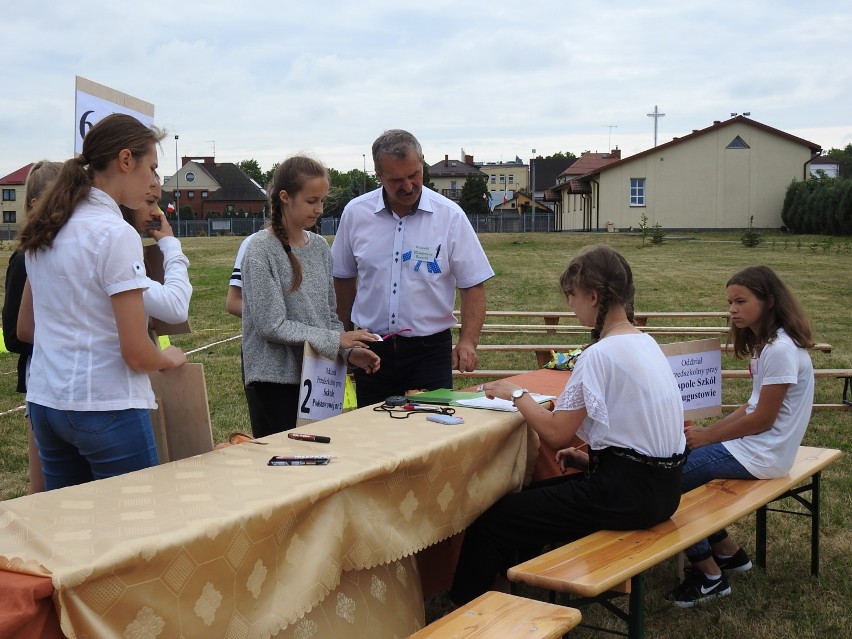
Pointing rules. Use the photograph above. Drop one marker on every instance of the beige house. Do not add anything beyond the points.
(13, 201)
(714, 178)
(506, 178)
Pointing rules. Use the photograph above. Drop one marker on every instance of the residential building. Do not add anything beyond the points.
(572, 193)
(13, 200)
(543, 175)
(828, 166)
(720, 177)
(448, 176)
(505, 178)
(214, 189)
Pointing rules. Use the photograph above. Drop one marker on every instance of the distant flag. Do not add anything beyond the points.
(506, 190)
(489, 199)
(170, 208)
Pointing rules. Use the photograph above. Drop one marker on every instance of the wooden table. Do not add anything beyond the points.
(223, 545)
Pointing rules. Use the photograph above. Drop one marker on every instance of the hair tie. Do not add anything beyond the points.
(81, 160)
(287, 249)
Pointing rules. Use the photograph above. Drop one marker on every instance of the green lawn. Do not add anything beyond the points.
(685, 273)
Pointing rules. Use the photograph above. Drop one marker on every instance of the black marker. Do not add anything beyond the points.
(299, 460)
(321, 439)
(438, 252)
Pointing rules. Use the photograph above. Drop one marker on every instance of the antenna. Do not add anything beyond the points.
(213, 142)
(609, 140)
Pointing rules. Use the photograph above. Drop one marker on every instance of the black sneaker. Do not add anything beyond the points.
(697, 587)
(739, 562)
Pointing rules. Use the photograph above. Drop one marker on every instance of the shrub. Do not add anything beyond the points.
(752, 237)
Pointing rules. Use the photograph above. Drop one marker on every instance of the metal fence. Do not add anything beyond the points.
(507, 222)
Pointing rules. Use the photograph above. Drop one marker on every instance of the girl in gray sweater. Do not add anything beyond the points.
(288, 297)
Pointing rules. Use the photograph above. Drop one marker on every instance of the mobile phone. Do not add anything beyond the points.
(444, 419)
(298, 460)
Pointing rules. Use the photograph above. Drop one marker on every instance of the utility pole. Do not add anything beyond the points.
(177, 186)
(656, 115)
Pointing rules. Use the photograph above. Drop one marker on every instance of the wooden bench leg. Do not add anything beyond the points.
(812, 506)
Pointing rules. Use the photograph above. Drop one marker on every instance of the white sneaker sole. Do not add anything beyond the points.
(714, 595)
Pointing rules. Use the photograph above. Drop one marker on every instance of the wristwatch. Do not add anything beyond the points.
(518, 393)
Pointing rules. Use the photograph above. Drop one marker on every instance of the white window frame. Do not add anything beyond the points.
(637, 192)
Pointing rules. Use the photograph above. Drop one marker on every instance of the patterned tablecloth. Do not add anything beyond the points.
(222, 545)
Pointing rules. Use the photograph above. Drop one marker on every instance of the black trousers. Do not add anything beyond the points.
(616, 494)
(273, 409)
(408, 363)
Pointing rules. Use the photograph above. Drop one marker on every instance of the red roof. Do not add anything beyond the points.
(17, 177)
(590, 163)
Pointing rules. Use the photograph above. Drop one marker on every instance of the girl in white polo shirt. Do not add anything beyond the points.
(88, 390)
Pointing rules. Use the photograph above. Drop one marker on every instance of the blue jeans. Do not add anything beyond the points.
(79, 446)
(703, 464)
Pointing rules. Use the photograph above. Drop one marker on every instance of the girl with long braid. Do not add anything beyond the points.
(288, 298)
(622, 400)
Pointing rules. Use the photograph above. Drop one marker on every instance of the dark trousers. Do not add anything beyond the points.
(274, 407)
(255, 408)
(616, 494)
(408, 363)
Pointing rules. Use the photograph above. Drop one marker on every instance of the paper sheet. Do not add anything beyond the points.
(499, 404)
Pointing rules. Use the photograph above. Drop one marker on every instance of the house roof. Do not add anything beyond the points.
(823, 159)
(452, 168)
(235, 185)
(587, 164)
(814, 148)
(17, 177)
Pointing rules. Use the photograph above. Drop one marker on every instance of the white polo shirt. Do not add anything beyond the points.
(408, 268)
(77, 362)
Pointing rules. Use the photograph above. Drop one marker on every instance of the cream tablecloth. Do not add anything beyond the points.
(222, 545)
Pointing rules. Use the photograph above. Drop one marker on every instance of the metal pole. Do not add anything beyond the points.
(532, 187)
(364, 180)
(177, 186)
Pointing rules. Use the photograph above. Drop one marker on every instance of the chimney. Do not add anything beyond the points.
(446, 160)
(468, 159)
(717, 122)
(615, 154)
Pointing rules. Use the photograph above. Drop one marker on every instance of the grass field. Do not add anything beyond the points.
(685, 273)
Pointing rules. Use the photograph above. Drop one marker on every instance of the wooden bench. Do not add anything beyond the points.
(609, 563)
(498, 614)
(641, 317)
(819, 373)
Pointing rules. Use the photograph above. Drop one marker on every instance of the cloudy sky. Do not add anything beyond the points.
(263, 80)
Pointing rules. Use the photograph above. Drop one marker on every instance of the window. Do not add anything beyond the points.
(493, 179)
(511, 179)
(738, 143)
(9, 217)
(637, 191)
(190, 177)
(8, 195)
(502, 179)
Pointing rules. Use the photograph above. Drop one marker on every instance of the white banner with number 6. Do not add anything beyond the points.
(323, 386)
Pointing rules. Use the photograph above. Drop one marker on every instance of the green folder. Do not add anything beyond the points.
(443, 396)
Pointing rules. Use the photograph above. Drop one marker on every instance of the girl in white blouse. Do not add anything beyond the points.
(623, 401)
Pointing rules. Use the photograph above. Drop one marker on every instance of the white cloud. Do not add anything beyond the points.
(263, 81)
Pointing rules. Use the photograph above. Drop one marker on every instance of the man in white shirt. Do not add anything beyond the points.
(400, 253)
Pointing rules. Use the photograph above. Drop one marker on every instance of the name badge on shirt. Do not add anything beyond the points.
(424, 253)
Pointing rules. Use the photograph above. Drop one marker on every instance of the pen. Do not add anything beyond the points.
(321, 439)
(438, 252)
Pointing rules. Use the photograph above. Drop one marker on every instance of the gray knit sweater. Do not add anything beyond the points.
(276, 322)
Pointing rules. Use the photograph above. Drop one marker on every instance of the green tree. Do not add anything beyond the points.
(561, 155)
(267, 177)
(474, 195)
(253, 170)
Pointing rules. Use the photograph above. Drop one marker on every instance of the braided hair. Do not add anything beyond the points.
(290, 176)
(603, 270)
